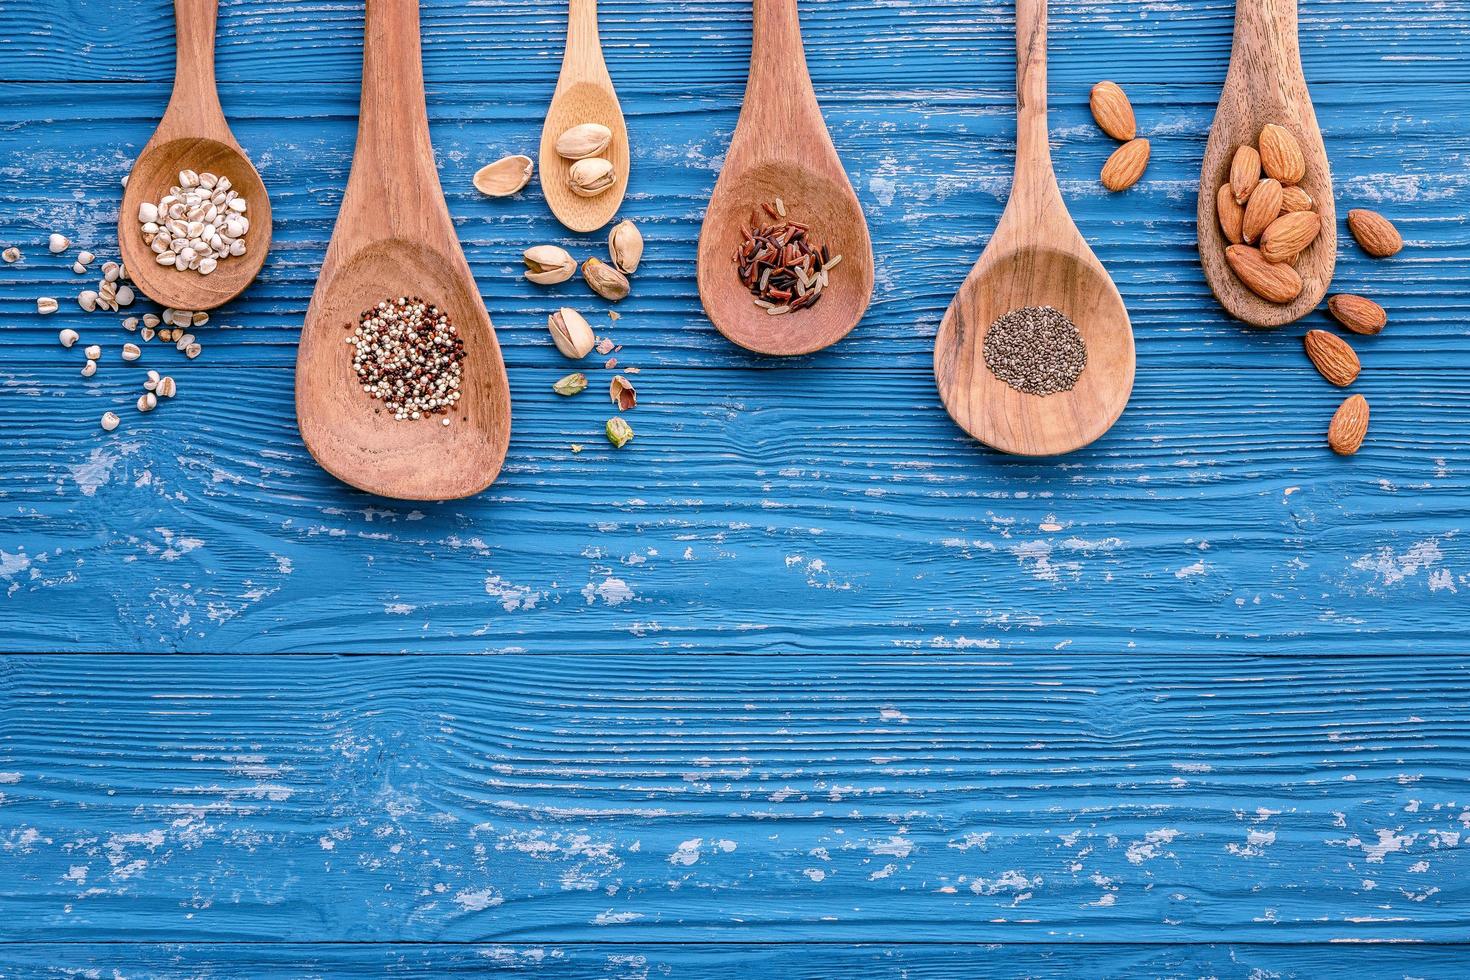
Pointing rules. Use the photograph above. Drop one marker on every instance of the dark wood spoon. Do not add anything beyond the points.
(781, 149)
(193, 135)
(394, 238)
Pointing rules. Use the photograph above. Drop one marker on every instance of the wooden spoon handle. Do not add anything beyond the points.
(1266, 40)
(193, 108)
(1033, 155)
(583, 56)
(393, 165)
(779, 88)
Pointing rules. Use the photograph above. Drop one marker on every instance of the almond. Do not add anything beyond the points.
(1281, 155)
(1231, 214)
(1290, 235)
(1357, 313)
(1333, 358)
(1349, 426)
(1113, 112)
(1293, 198)
(1126, 165)
(1273, 281)
(1375, 233)
(1245, 172)
(1261, 209)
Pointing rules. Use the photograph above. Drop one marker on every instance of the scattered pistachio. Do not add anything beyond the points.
(58, 243)
(576, 447)
(152, 383)
(124, 296)
(198, 318)
(181, 342)
(94, 352)
(571, 333)
(85, 258)
(111, 272)
(78, 268)
(505, 176)
(572, 384)
(67, 336)
(618, 432)
(131, 352)
(625, 246)
(605, 345)
(11, 254)
(87, 299)
(624, 395)
(192, 351)
(89, 368)
(109, 421)
(147, 334)
(151, 320)
(605, 281)
(586, 140)
(45, 305)
(130, 324)
(147, 401)
(590, 177)
(166, 387)
(547, 265)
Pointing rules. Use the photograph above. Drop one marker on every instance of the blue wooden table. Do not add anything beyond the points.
(802, 682)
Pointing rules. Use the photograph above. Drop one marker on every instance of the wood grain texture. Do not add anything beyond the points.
(394, 238)
(1265, 86)
(677, 798)
(1035, 258)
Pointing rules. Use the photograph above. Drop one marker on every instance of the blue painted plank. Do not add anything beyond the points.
(676, 798)
(298, 961)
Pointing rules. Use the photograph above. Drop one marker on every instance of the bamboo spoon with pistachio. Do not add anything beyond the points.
(584, 96)
(1036, 259)
(1265, 84)
(193, 137)
(393, 239)
(782, 154)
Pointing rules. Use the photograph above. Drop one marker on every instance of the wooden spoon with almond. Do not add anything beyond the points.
(781, 150)
(394, 238)
(1265, 91)
(1036, 257)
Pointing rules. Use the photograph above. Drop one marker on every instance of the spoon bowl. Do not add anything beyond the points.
(394, 238)
(1036, 257)
(584, 94)
(1265, 84)
(154, 173)
(353, 435)
(813, 199)
(781, 150)
(193, 135)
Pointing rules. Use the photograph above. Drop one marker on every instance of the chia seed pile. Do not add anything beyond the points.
(1036, 350)
(408, 355)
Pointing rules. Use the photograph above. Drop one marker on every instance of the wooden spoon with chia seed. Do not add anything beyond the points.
(781, 149)
(1036, 258)
(394, 238)
(193, 135)
(1264, 85)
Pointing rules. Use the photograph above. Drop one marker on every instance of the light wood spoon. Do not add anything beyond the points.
(1264, 85)
(584, 94)
(394, 238)
(193, 135)
(1036, 257)
(781, 149)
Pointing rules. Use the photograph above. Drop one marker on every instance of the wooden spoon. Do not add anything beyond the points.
(781, 149)
(1265, 84)
(1036, 257)
(193, 135)
(584, 94)
(394, 238)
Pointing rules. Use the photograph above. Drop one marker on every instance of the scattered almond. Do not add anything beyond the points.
(1357, 313)
(1245, 172)
(1113, 112)
(1293, 198)
(1349, 426)
(1261, 209)
(1232, 215)
(1375, 233)
(1273, 281)
(1126, 165)
(1281, 155)
(1332, 356)
(1290, 235)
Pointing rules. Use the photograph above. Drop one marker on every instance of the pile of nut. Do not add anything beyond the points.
(590, 173)
(1267, 217)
